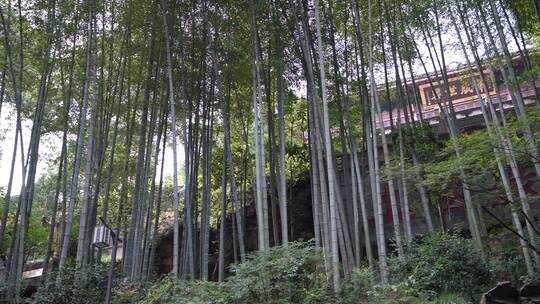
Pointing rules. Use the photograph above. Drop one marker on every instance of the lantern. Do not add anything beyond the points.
(102, 237)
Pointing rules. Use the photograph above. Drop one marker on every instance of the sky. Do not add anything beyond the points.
(7, 131)
(50, 149)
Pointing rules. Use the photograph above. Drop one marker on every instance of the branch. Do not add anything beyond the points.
(510, 229)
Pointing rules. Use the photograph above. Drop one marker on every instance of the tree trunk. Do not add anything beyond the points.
(329, 159)
(170, 83)
(221, 262)
(78, 154)
(260, 168)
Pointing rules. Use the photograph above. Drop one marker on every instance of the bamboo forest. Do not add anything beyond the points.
(270, 151)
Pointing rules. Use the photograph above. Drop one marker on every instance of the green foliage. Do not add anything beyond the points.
(426, 141)
(295, 273)
(7, 287)
(358, 290)
(440, 270)
(85, 286)
(449, 298)
(527, 21)
(510, 267)
(477, 161)
(171, 290)
(281, 275)
(36, 240)
(355, 289)
(129, 292)
(402, 293)
(442, 263)
(506, 258)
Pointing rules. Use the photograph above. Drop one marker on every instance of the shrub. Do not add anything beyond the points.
(84, 286)
(294, 274)
(506, 256)
(399, 293)
(509, 268)
(355, 289)
(8, 289)
(162, 291)
(129, 292)
(450, 298)
(170, 290)
(442, 263)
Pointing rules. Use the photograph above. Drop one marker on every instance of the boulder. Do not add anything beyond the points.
(503, 293)
(530, 293)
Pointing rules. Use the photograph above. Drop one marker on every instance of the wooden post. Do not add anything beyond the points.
(115, 239)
